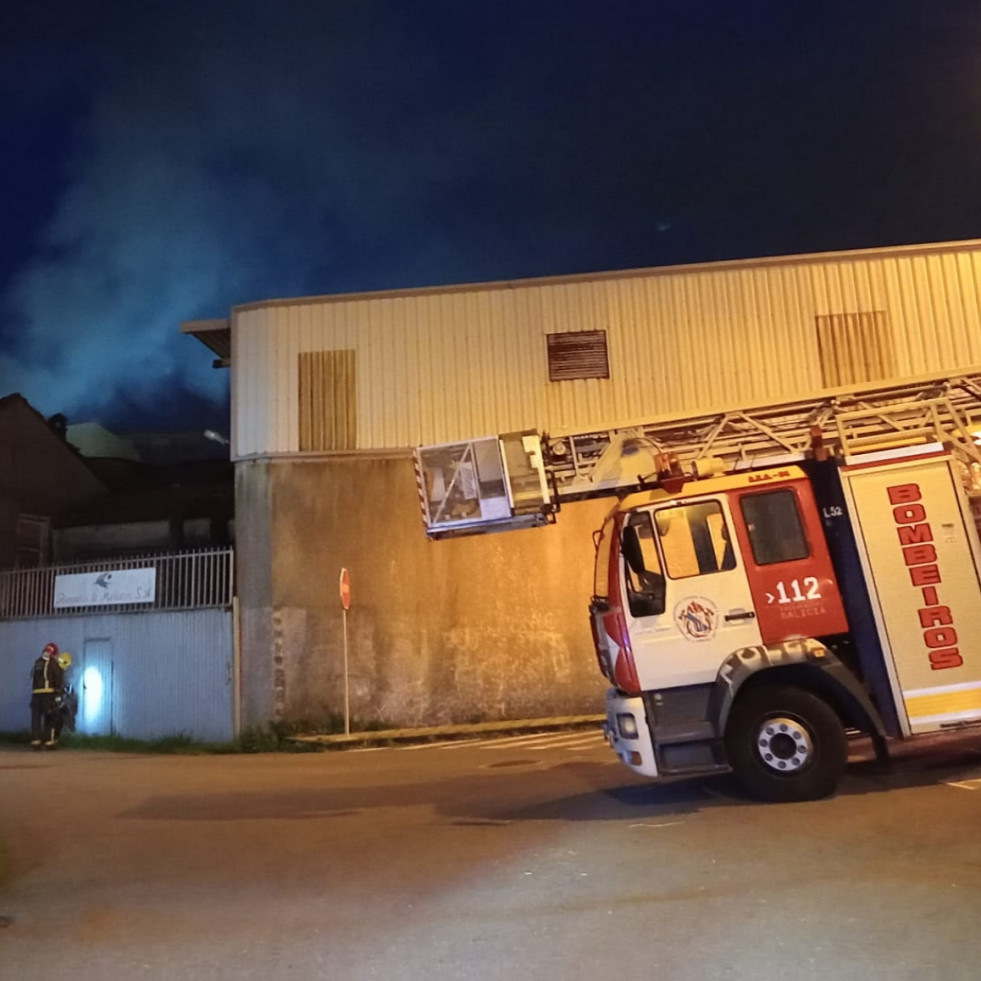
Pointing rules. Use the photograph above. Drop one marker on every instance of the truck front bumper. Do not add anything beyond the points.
(628, 733)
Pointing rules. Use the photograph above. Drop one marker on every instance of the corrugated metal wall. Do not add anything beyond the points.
(158, 674)
(438, 365)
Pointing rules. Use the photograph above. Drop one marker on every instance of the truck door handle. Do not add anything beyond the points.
(740, 615)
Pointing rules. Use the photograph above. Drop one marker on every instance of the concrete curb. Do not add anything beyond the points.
(423, 733)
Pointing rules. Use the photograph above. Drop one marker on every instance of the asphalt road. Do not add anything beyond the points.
(535, 857)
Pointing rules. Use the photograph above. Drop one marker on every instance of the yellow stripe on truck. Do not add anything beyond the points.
(952, 703)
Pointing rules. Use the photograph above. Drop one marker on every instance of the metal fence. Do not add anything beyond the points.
(185, 581)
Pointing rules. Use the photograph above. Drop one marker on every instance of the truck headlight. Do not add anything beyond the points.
(627, 725)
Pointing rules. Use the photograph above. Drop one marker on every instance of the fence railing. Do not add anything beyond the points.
(185, 581)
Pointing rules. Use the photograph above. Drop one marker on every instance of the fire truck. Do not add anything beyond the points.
(770, 582)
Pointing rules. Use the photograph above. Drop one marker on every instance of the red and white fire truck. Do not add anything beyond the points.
(769, 581)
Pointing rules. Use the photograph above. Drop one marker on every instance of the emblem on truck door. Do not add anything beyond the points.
(697, 618)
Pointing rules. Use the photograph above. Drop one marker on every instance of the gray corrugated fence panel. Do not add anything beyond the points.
(160, 674)
(20, 643)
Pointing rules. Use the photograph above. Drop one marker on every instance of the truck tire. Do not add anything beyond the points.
(786, 744)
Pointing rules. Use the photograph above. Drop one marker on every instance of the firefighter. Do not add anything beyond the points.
(48, 680)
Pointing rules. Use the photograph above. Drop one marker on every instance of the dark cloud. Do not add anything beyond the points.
(163, 161)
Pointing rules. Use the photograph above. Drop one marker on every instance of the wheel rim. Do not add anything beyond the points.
(784, 745)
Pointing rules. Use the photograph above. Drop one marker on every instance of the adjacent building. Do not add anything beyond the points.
(126, 564)
(42, 476)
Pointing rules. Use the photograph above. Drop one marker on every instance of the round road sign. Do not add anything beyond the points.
(345, 589)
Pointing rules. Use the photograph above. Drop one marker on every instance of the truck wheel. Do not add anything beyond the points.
(786, 744)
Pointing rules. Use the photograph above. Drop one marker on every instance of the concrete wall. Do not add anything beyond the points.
(491, 627)
(253, 570)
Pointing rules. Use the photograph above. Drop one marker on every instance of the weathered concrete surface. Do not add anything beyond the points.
(253, 575)
(490, 627)
(479, 864)
(420, 734)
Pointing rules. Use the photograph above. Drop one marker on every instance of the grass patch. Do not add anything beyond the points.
(276, 737)
(272, 739)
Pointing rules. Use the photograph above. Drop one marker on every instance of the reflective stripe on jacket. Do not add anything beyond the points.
(48, 676)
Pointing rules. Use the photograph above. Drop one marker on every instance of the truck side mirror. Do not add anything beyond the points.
(648, 599)
(631, 550)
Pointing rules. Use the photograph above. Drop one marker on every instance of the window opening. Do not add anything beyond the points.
(642, 564)
(695, 540)
(776, 533)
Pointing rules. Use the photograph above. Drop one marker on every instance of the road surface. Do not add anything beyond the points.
(523, 857)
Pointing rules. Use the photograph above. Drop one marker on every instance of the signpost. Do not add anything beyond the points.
(344, 588)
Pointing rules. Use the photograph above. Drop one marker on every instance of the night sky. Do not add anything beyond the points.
(161, 162)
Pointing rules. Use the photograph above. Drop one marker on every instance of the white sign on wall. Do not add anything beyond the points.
(107, 587)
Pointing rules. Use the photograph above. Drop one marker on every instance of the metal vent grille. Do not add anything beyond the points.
(328, 417)
(577, 354)
(855, 347)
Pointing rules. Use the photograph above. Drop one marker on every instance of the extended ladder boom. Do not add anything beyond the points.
(519, 480)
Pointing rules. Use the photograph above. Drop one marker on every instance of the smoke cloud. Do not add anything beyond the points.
(201, 154)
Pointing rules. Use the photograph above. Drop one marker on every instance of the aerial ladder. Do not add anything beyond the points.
(522, 479)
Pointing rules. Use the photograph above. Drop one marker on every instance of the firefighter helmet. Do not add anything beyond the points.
(65, 660)
(50, 650)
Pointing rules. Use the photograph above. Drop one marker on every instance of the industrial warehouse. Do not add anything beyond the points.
(330, 394)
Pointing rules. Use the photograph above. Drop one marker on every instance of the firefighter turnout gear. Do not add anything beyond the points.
(47, 685)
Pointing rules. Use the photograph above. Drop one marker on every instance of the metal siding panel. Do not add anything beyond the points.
(453, 365)
(283, 355)
(759, 312)
(950, 290)
(489, 406)
(403, 407)
(953, 299)
(175, 676)
(965, 313)
(730, 323)
(299, 326)
(800, 301)
(480, 395)
(265, 344)
(523, 320)
(920, 293)
(383, 348)
(252, 408)
(421, 369)
(494, 333)
(391, 368)
(368, 342)
(896, 302)
(925, 323)
(679, 367)
(443, 388)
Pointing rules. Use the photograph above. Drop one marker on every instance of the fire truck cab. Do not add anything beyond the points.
(750, 622)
